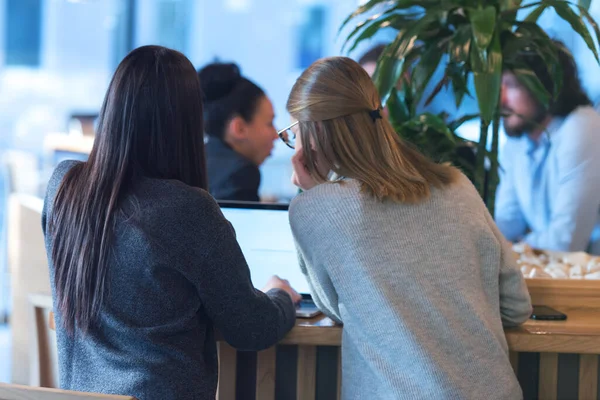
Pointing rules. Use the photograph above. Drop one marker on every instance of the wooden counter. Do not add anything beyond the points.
(552, 359)
(580, 333)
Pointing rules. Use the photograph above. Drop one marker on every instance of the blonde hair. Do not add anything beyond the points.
(333, 100)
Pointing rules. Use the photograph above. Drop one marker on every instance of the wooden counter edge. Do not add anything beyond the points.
(519, 340)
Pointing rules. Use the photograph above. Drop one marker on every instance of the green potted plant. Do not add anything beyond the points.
(471, 39)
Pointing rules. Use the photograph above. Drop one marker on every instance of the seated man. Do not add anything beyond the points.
(549, 194)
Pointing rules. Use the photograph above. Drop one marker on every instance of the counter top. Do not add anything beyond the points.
(580, 333)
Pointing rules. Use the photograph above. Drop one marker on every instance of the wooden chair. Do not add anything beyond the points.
(29, 274)
(43, 352)
(18, 392)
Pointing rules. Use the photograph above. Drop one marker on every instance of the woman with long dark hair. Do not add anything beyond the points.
(143, 264)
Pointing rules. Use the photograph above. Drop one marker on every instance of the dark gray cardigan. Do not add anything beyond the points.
(176, 273)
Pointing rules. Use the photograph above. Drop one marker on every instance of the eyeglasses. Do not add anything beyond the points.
(288, 135)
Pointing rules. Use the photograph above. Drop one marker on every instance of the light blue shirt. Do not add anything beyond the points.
(549, 194)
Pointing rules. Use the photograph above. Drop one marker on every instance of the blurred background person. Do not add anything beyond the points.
(238, 122)
(369, 59)
(549, 193)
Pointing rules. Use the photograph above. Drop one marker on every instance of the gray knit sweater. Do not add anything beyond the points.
(423, 291)
(176, 273)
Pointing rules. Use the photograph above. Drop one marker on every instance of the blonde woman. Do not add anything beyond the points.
(399, 249)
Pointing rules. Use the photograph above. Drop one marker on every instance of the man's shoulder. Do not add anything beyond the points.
(583, 123)
(578, 139)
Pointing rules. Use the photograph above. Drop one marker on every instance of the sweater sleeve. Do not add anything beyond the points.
(311, 262)
(322, 291)
(247, 318)
(515, 302)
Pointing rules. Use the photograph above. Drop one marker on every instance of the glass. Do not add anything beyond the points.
(288, 136)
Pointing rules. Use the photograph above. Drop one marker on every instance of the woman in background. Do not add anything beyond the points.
(238, 120)
(143, 265)
(399, 249)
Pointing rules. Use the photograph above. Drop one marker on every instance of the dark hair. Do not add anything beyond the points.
(571, 94)
(372, 55)
(150, 125)
(226, 94)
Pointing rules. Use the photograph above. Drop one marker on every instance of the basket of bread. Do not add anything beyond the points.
(542, 264)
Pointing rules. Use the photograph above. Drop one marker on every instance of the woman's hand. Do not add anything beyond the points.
(277, 283)
(301, 177)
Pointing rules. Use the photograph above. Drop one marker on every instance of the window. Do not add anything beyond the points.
(23, 32)
(173, 24)
(311, 36)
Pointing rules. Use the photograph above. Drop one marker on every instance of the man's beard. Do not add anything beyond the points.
(526, 125)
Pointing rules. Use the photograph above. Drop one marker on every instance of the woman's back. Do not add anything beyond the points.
(173, 262)
(422, 290)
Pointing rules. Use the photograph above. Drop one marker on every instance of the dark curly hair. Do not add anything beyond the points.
(571, 94)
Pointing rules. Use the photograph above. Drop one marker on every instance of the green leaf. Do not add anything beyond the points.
(428, 64)
(372, 25)
(438, 124)
(460, 45)
(488, 79)
(536, 14)
(399, 111)
(565, 12)
(459, 83)
(437, 89)
(359, 27)
(528, 78)
(483, 24)
(370, 30)
(526, 6)
(585, 13)
(391, 64)
(397, 5)
(386, 76)
(532, 36)
(511, 4)
(363, 9)
(454, 125)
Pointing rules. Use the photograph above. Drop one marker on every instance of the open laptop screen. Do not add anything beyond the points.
(265, 237)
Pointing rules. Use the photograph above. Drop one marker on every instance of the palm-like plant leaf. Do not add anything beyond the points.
(431, 60)
(586, 14)
(476, 39)
(528, 78)
(536, 13)
(483, 24)
(529, 37)
(363, 9)
(391, 65)
(564, 10)
(460, 45)
(374, 24)
(488, 78)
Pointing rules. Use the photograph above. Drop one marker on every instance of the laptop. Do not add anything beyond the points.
(265, 237)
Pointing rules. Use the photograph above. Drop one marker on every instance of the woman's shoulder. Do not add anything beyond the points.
(167, 194)
(327, 192)
(59, 173)
(325, 200)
